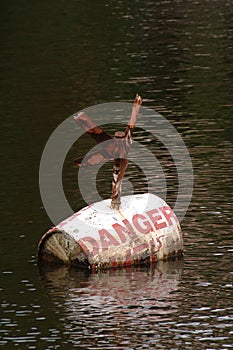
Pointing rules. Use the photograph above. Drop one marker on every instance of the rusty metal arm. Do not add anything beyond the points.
(95, 131)
(98, 157)
(135, 112)
(122, 145)
(116, 148)
(99, 135)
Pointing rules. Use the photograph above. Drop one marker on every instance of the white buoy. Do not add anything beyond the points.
(145, 229)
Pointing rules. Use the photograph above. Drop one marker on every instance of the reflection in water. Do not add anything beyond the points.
(99, 306)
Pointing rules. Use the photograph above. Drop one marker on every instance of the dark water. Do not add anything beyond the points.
(58, 57)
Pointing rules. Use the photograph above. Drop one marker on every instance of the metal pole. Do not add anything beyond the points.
(119, 167)
(122, 143)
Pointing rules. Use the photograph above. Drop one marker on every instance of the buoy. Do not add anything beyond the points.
(145, 229)
(119, 231)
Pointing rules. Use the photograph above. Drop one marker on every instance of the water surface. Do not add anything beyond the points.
(59, 57)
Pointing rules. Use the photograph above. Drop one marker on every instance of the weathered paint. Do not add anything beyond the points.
(145, 228)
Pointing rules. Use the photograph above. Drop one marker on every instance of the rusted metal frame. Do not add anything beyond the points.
(99, 135)
(122, 145)
(101, 156)
(94, 130)
(135, 112)
(116, 148)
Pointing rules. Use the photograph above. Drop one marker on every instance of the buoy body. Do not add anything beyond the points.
(144, 229)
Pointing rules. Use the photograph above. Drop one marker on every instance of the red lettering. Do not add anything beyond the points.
(156, 219)
(122, 231)
(128, 257)
(140, 248)
(130, 228)
(107, 239)
(169, 214)
(144, 225)
(91, 241)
